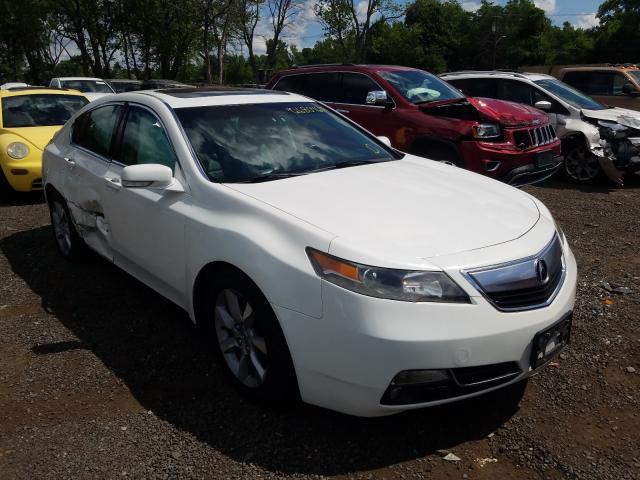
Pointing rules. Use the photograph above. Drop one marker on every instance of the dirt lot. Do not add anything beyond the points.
(101, 377)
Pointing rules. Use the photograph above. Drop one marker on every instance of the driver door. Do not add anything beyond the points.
(147, 224)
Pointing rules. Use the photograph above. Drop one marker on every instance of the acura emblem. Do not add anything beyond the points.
(542, 271)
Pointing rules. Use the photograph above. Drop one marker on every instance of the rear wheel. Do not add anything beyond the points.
(69, 243)
(245, 335)
(580, 165)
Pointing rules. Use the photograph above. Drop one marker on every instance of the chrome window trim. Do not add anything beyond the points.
(73, 126)
(467, 274)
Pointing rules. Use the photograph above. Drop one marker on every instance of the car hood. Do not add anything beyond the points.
(509, 114)
(39, 137)
(623, 116)
(411, 208)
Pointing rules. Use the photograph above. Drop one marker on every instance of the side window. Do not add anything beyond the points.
(618, 81)
(577, 79)
(476, 87)
(319, 86)
(322, 86)
(355, 87)
(292, 83)
(518, 92)
(145, 141)
(94, 129)
(596, 83)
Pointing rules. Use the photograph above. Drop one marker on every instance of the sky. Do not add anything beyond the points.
(305, 30)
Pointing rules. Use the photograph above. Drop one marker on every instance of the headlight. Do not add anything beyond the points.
(17, 150)
(392, 284)
(486, 131)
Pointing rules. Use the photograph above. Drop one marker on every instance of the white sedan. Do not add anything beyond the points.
(320, 263)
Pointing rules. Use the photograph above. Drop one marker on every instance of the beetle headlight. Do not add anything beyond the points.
(392, 284)
(17, 150)
(486, 131)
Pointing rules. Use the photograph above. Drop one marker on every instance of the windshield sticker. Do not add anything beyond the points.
(304, 110)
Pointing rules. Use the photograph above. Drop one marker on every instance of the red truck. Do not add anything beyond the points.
(424, 115)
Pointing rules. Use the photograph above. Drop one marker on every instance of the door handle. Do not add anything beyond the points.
(69, 162)
(113, 182)
(339, 110)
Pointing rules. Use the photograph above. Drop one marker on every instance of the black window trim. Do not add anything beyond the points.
(341, 72)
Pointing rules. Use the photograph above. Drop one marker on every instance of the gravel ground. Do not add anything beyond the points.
(102, 378)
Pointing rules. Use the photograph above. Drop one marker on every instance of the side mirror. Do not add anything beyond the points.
(150, 175)
(379, 98)
(385, 140)
(543, 105)
(629, 89)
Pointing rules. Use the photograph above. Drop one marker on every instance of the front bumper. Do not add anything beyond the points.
(513, 166)
(23, 175)
(347, 359)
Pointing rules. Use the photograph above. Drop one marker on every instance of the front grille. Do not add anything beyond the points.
(524, 284)
(534, 137)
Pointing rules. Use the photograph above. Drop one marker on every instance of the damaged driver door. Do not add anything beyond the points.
(87, 163)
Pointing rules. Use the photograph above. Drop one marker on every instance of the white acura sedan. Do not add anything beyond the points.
(320, 263)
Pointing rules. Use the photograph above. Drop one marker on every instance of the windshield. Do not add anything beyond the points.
(418, 86)
(635, 74)
(570, 95)
(87, 86)
(39, 110)
(238, 143)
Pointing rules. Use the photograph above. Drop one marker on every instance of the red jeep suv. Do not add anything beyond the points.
(424, 115)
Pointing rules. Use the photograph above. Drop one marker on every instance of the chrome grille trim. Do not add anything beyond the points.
(536, 136)
(526, 291)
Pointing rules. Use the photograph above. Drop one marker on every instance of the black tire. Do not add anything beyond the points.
(438, 152)
(5, 188)
(68, 242)
(278, 387)
(580, 165)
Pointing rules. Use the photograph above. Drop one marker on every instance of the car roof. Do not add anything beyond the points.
(81, 78)
(327, 67)
(39, 91)
(609, 68)
(495, 73)
(211, 96)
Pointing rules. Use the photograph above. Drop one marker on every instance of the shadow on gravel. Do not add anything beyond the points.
(602, 186)
(151, 345)
(18, 198)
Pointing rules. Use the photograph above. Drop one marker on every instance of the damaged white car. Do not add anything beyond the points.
(596, 138)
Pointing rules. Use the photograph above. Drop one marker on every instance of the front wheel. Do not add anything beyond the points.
(245, 334)
(580, 165)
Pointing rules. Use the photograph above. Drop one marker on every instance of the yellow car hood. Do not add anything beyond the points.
(36, 136)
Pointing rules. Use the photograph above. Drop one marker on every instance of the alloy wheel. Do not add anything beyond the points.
(61, 227)
(243, 347)
(581, 166)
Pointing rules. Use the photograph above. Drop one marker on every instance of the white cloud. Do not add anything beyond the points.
(293, 34)
(471, 5)
(547, 5)
(586, 20)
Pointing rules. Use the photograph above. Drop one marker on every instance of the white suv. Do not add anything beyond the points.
(595, 137)
(319, 262)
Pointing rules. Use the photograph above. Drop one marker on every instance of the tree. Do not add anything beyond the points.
(282, 13)
(349, 23)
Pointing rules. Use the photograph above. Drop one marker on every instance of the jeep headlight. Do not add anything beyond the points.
(392, 284)
(486, 131)
(17, 150)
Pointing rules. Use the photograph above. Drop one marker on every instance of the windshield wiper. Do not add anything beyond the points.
(347, 163)
(267, 177)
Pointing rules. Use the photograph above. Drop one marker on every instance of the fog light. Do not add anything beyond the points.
(19, 171)
(421, 377)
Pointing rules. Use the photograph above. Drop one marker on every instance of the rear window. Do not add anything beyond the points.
(236, 143)
(39, 110)
(87, 86)
(320, 86)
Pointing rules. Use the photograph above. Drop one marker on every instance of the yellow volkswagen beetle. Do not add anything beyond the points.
(29, 117)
